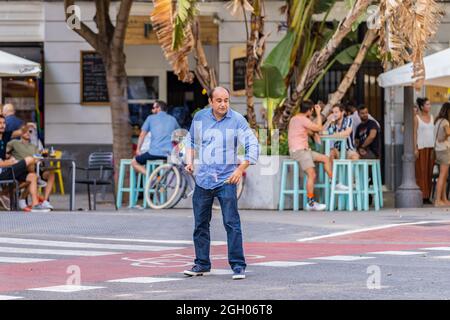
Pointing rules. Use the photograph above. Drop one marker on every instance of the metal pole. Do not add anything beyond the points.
(408, 194)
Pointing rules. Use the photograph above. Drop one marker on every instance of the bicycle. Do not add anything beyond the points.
(169, 183)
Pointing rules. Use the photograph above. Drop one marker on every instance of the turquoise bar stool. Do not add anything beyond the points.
(296, 190)
(141, 181)
(342, 173)
(120, 184)
(363, 167)
(324, 184)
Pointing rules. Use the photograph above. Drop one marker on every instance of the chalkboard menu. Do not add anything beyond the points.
(94, 90)
(239, 68)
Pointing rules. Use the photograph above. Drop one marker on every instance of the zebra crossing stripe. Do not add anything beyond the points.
(56, 252)
(84, 245)
(66, 288)
(22, 260)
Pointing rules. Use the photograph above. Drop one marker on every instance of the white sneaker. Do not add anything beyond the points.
(47, 205)
(315, 207)
(22, 204)
(341, 187)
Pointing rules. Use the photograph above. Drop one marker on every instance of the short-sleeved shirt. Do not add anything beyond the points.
(298, 132)
(362, 133)
(13, 123)
(161, 126)
(347, 122)
(19, 150)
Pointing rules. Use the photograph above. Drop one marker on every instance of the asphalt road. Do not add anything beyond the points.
(128, 255)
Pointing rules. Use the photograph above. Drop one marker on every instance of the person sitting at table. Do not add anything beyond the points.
(19, 168)
(299, 150)
(20, 149)
(341, 126)
(367, 136)
(161, 125)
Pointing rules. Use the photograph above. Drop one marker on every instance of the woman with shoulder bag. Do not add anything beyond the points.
(442, 149)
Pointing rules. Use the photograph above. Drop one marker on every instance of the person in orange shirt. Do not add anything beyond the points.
(300, 126)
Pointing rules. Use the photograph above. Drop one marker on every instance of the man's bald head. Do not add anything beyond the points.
(219, 101)
(8, 109)
(217, 89)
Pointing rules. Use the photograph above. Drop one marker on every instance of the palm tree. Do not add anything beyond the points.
(316, 65)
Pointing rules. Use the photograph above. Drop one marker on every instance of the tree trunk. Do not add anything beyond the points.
(116, 79)
(253, 56)
(316, 65)
(337, 96)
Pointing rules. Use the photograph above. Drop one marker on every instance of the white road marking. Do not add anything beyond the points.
(57, 252)
(398, 253)
(144, 280)
(387, 226)
(22, 260)
(281, 263)
(343, 258)
(9, 298)
(84, 245)
(442, 257)
(65, 288)
(438, 249)
(213, 243)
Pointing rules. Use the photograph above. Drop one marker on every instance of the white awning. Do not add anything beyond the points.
(437, 72)
(14, 66)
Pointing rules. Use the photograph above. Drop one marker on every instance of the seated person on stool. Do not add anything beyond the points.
(340, 126)
(299, 150)
(160, 125)
(20, 170)
(20, 149)
(367, 136)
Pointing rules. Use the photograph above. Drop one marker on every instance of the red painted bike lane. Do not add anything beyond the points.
(17, 277)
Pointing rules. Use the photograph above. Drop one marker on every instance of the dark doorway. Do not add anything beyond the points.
(184, 98)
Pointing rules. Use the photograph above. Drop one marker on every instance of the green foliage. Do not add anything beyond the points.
(186, 11)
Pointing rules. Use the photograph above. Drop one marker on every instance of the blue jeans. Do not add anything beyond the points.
(202, 203)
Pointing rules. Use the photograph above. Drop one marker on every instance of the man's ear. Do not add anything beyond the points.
(209, 100)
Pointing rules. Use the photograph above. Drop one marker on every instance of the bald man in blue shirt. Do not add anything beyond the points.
(215, 134)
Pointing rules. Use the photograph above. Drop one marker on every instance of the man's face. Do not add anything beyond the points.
(26, 134)
(155, 108)
(337, 113)
(364, 114)
(220, 101)
(2, 125)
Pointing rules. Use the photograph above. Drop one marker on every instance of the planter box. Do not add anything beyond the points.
(262, 186)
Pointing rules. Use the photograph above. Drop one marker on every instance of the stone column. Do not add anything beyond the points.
(408, 194)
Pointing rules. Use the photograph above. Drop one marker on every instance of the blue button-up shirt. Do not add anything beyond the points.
(161, 126)
(216, 144)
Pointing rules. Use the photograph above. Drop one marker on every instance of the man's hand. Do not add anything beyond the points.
(235, 177)
(189, 168)
(318, 109)
(362, 151)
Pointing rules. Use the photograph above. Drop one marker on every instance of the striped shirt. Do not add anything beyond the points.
(347, 122)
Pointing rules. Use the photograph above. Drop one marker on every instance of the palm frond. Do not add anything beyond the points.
(406, 28)
(162, 18)
(237, 6)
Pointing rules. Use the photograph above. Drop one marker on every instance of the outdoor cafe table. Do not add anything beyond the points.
(46, 162)
(326, 142)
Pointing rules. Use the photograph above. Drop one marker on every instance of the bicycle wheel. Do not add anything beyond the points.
(239, 191)
(163, 186)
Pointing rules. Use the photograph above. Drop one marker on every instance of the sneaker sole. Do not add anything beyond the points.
(196, 274)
